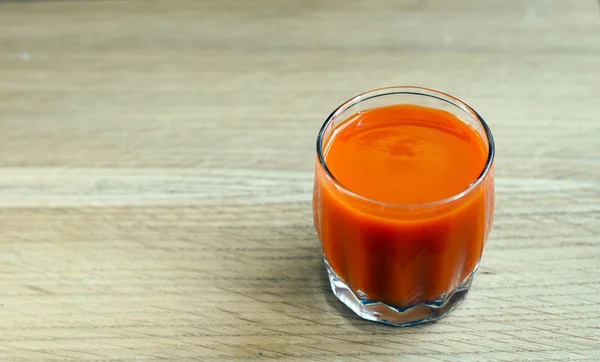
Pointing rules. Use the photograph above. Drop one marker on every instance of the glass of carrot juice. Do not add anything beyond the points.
(403, 202)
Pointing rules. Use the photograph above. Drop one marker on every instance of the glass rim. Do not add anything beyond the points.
(410, 90)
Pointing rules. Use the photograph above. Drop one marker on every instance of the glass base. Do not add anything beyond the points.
(384, 313)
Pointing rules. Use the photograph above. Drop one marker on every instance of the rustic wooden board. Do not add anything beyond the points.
(156, 163)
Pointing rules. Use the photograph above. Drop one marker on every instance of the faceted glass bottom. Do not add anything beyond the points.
(384, 313)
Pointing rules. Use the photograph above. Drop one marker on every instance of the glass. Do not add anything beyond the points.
(402, 264)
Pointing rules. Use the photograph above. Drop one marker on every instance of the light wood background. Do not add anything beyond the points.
(156, 162)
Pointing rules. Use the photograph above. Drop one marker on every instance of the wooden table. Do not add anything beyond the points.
(156, 162)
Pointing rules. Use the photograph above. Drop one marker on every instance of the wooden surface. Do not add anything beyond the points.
(156, 163)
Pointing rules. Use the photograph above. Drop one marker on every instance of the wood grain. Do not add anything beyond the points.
(156, 164)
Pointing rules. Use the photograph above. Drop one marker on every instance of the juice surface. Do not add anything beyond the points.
(403, 154)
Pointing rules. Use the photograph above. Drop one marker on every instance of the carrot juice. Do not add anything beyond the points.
(403, 202)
